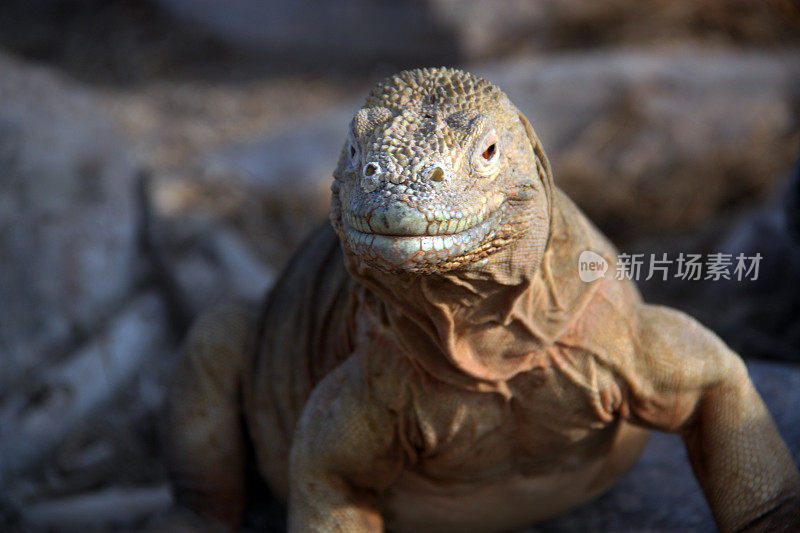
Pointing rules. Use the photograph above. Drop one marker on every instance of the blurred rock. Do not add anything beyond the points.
(218, 266)
(67, 219)
(198, 258)
(660, 493)
(357, 33)
(124, 41)
(587, 23)
(293, 164)
(106, 41)
(646, 143)
(289, 171)
(652, 143)
(58, 400)
(759, 314)
(118, 508)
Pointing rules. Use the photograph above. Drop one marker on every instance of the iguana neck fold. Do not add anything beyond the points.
(478, 326)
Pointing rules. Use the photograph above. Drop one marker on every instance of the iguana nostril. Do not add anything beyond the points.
(436, 173)
(371, 169)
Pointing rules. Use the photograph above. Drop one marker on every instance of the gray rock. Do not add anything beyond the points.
(762, 315)
(66, 216)
(218, 266)
(287, 167)
(653, 142)
(354, 34)
(60, 399)
(117, 508)
(361, 31)
(756, 312)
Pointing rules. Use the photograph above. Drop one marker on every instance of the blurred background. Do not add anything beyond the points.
(158, 156)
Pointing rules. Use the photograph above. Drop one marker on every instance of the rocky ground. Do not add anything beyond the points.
(156, 159)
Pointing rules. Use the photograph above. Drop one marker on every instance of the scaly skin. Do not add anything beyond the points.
(445, 368)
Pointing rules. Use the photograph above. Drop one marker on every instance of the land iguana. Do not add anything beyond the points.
(434, 362)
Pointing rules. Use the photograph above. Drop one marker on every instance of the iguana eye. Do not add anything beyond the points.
(486, 159)
(353, 150)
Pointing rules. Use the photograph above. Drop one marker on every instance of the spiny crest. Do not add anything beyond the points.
(432, 88)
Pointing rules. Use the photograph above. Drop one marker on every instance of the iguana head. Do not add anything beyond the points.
(439, 170)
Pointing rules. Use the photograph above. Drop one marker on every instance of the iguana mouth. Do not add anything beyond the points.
(416, 249)
(394, 221)
(391, 241)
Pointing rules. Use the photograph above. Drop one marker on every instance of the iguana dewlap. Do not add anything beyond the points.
(437, 364)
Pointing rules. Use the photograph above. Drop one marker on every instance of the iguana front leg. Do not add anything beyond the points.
(344, 452)
(685, 379)
(206, 453)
